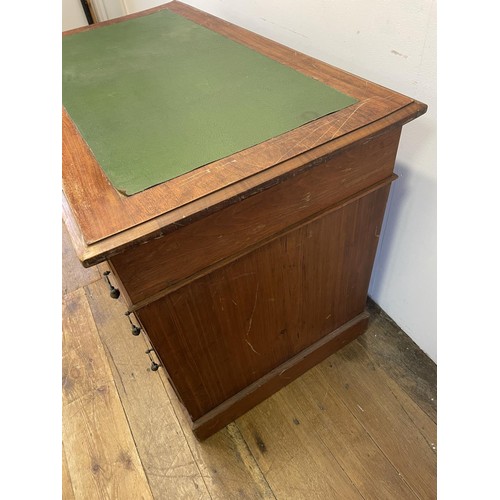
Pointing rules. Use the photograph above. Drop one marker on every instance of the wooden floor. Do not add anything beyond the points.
(362, 424)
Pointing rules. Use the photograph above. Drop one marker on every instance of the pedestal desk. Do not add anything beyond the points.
(248, 270)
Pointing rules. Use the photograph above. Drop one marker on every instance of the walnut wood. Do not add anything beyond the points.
(262, 309)
(178, 255)
(100, 211)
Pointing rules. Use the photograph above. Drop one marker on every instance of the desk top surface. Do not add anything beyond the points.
(101, 219)
(158, 96)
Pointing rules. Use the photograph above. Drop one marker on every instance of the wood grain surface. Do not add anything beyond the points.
(101, 212)
(230, 231)
(98, 441)
(176, 464)
(67, 487)
(271, 285)
(262, 309)
(307, 441)
(74, 272)
(418, 435)
(278, 378)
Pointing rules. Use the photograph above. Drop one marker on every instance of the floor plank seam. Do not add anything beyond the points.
(432, 446)
(184, 435)
(254, 459)
(403, 478)
(415, 376)
(339, 464)
(111, 359)
(108, 356)
(68, 472)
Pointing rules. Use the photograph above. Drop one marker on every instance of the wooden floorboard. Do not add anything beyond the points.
(360, 425)
(74, 275)
(391, 349)
(364, 388)
(101, 456)
(67, 487)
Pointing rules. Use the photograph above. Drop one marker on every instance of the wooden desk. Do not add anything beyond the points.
(246, 272)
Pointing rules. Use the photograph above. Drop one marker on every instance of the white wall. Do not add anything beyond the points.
(393, 43)
(109, 9)
(72, 15)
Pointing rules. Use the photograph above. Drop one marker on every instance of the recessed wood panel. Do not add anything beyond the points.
(262, 309)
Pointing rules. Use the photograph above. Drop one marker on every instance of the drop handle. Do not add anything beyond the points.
(114, 293)
(136, 330)
(154, 364)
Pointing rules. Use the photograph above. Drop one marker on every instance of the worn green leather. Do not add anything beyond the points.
(157, 96)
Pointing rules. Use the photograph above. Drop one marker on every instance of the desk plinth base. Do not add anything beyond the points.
(278, 378)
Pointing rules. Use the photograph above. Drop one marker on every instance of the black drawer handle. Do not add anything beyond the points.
(114, 293)
(136, 330)
(154, 364)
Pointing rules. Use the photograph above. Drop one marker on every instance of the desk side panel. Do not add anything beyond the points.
(220, 333)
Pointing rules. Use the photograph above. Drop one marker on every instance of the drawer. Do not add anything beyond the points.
(149, 268)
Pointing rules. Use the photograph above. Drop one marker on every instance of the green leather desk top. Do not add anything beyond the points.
(157, 96)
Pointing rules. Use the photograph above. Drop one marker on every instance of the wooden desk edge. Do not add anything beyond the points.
(92, 254)
(100, 214)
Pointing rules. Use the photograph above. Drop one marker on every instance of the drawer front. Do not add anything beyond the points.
(223, 331)
(149, 268)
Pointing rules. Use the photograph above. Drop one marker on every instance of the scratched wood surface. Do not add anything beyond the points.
(97, 438)
(326, 278)
(232, 230)
(101, 212)
(362, 424)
